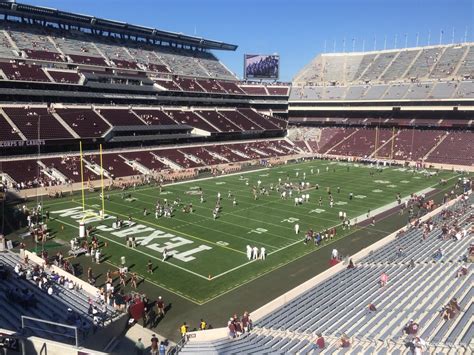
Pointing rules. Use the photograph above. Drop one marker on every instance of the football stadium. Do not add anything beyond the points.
(152, 201)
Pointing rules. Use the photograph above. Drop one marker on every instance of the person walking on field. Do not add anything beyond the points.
(160, 304)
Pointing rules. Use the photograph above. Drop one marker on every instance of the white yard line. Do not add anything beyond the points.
(359, 219)
(362, 218)
(182, 295)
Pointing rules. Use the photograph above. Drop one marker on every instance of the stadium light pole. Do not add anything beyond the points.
(465, 35)
(396, 40)
(429, 37)
(385, 43)
(363, 45)
(406, 40)
(441, 36)
(375, 42)
(344, 45)
(325, 45)
(353, 44)
(417, 38)
(334, 48)
(452, 38)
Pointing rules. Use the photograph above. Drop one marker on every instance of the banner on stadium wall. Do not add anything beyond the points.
(261, 66)
(28, 143)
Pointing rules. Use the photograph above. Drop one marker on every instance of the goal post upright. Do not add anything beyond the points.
(82, 178)
(376, 141)
(102, 180)
(393, 143)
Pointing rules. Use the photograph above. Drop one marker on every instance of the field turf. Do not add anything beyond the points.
(210, 255)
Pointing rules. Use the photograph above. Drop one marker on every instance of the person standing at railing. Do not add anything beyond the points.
(154, 345)
(139, 347)
(184, 330)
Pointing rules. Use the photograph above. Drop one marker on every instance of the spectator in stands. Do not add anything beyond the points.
(416, 346)
(345, 341)
(447, 312)
(202, 325)
(139, 347)
(420, 345)
(371, 307)
(411, 328)
(184, 330)
(463, 271)
(351, 264)
(232, 330)
(162, 348)
(319, 344)
(383, 279)
(455, 305)
(246, 322)
(438, 254)
(154, 345)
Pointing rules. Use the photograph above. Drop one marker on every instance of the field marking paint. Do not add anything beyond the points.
(170, 229)
(262, 273)
(234, 213)
(381, 210)
(138, 251)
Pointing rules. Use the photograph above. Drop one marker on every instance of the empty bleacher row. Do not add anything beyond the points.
(21, 296)
(419, 286)
(446, 62)
(63, 122)
(423, 90)
(47, 171)
(275, 342)
(436, 146)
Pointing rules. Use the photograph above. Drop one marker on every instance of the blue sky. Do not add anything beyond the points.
(295, 29)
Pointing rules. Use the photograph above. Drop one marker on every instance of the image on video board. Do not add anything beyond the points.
(257, 66)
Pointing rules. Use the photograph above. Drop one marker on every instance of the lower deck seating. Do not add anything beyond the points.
(435, 146)
(131, 163)
(21, 296)
(419, 286)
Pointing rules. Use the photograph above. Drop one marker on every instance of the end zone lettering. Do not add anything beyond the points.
(171, 244)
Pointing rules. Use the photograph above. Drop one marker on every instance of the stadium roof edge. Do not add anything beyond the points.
(12, 8)
(397, 49)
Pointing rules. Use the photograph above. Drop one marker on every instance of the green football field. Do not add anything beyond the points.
(209, 255)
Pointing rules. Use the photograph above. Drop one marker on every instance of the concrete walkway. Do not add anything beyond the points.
(126, 345)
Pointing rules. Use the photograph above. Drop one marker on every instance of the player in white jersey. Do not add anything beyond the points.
(255, 253)
(249, 252)
(297, 228)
